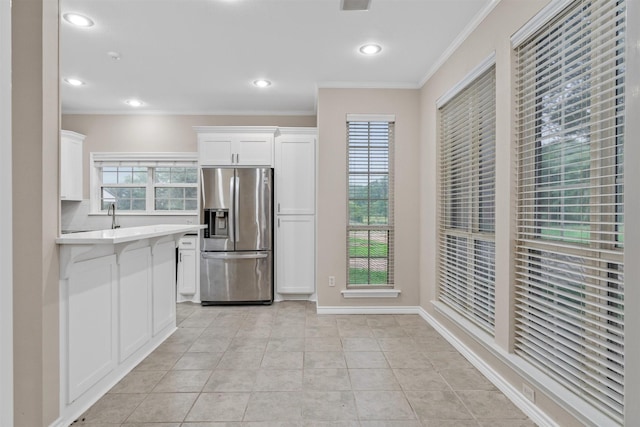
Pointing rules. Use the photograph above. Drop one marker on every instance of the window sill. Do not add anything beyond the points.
(371, 293)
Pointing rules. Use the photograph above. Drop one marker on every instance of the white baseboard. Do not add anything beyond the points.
(514, 395)
(57, 423)
(367, 310)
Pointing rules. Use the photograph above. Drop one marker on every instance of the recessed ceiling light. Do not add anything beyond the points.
(134, 102)
(74, 82)
(261, 83)
(78, 20)
(114, 55)
(370, 49)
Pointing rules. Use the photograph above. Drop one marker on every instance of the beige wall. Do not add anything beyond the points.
(35, 124)
(333, 106)
(493, 34)
(141, 133)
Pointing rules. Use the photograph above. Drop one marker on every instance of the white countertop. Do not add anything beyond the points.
(123, 235)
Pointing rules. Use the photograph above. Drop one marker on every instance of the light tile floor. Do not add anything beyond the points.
(284, 366)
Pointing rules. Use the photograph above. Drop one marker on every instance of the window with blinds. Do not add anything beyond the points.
(569, 254)
(370, 204)
(466, 269)
(144, 185)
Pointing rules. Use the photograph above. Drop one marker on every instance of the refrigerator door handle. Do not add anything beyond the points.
(225, 255)
(232, 213)
(236, 209)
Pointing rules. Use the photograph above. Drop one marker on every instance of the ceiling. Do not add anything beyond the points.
(201, 56)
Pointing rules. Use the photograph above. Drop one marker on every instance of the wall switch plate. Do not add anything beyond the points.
(332, 281)
(529, 393)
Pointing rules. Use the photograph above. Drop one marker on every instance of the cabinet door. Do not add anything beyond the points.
(134, 301)
(295, 174)
(90, 346)
(216, 150)
(164, 286)
(254, 150)
(187, 272)
(71, 166)
(295, 252)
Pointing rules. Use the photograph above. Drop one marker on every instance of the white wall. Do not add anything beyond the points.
(333, 107)
(145, 133)
(6, 259)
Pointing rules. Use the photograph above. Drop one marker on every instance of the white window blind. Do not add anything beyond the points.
(370, 203)
(466, 274)
(569, 253)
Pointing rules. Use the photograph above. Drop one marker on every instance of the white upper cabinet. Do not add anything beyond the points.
(71, 165)
(236, 145)
(295, 171)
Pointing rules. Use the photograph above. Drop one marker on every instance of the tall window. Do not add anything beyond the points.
(370, 210)
(466, 272)
(143, 185)
(569, 256)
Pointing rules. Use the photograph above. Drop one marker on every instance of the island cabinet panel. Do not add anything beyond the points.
(164, 286)
(117, 305)
(90, 345)
(134, 301)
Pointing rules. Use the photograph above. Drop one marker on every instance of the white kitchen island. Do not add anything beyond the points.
(117, 304)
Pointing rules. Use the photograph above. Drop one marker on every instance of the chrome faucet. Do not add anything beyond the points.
(112, 213)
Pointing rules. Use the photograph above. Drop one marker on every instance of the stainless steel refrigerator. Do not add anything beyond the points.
(236, 250)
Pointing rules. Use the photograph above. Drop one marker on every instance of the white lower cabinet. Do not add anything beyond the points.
(90, 322)
(295, 249)
(164, 284)
(118, 303)
(134, 301)
(187, 268)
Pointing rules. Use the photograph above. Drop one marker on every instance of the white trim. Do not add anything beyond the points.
(367, 85)
(391, 118)
(184, 159)
(483, 66)
(162, 156)
(541, 382)
(632, 210)
(287, 130)
(541, 18)
(370, 293)
(464, 34)
(57, 423)
(515, 396)
(573, 404)
(6, 222)
(367, 310)
(274, 113)
(236, 129)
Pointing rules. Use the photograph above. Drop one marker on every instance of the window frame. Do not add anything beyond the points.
(594, 259)
(151, 161)
(470, 295)
(389, 227)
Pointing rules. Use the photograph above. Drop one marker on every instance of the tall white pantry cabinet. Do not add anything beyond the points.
(291, 151)
(295, 177)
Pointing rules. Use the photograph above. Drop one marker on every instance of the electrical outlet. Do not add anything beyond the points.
(528, 392)
(332, 281)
